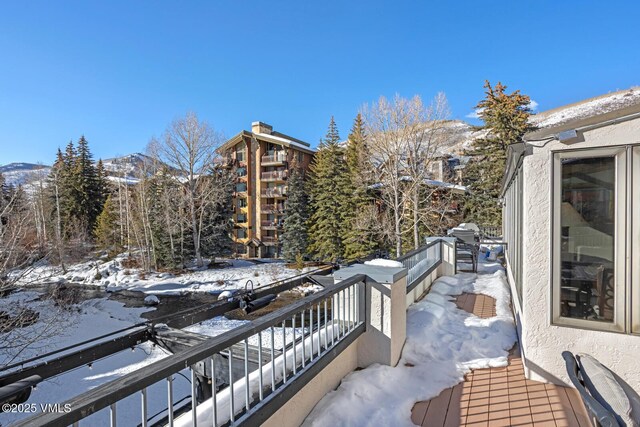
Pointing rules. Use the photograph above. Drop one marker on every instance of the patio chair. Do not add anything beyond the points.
(609, 400)
(466, 246)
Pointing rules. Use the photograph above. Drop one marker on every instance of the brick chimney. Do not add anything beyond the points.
(259, 127)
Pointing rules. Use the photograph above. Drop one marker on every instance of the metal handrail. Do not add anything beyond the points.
(110, 393)
(416, 262)
(420, 249)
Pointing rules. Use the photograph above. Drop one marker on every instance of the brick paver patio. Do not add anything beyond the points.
(500, 396)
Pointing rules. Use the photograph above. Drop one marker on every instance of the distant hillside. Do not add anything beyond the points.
(24, 173)
(124, 169)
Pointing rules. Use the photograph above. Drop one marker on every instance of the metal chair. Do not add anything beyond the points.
(466, 246)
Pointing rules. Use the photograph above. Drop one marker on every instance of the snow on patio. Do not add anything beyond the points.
(443, 344)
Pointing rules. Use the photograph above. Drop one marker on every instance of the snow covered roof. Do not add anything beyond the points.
(589, 108)
(455, 187)
(285, 141)
(429, 182)
(275, 137)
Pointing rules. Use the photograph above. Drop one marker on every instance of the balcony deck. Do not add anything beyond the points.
(500, 396)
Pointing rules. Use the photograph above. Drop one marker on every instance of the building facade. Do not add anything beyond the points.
(570, 218)
(262, 159)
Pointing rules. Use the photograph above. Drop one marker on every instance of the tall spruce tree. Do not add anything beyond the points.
(295, 236)
(89, 194)
(506, 118)
(359, 238)
(329, 191)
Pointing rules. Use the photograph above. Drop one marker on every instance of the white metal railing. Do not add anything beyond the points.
(307, 334)
(421, 262)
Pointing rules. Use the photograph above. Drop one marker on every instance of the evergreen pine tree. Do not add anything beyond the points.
(102, 183)
(329, 193)
(295, 236)
(358, 237)
(107, 230)
(89, 194)
(506, 118)
(218, 222)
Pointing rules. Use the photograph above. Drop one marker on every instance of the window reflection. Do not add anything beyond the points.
(587, 221)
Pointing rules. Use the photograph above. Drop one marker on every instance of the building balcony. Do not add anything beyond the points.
(278, 158)
(273, 176)
(269, 240)
(274, 192)
(271, 225)
(278, 208)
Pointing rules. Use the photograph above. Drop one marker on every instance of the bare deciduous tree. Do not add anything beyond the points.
(189, 146)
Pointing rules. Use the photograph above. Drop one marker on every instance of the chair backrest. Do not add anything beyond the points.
(470, 226)
(595, 408)
(467, 236)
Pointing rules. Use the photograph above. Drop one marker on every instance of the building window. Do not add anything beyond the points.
(241, 187)
(241, 218)
(241, 233)
(300, 157)
(242, 202)
(241, 171)
(512, 221)
(239, 151)
(589, 239)
(241, 249)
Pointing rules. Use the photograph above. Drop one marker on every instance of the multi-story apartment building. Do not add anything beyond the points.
(262, 158)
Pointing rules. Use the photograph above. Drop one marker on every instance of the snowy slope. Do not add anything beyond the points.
(587, 108)
(24, 173)
(127, 169)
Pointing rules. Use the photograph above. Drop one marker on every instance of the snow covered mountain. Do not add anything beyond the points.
(124, 169)
(24, 173)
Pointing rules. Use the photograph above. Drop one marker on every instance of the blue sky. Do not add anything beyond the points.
(120, 71)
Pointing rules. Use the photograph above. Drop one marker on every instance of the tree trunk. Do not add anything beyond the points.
(416, 207)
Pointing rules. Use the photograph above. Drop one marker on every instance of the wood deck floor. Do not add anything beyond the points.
(500, 396)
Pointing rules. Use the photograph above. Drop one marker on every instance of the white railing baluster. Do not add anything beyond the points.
(318, 323)
(260, 380)
(284, 354)
(246, 373)
(112, 415)
(214, 392)
(304, 342)
(311, 330)
(144, 407)
(273, 362)
(293, 327)
(170, 400)
(326, 326)
(232, 412)
(194, 399)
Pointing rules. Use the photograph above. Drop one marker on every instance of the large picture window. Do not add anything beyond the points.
(589, 220)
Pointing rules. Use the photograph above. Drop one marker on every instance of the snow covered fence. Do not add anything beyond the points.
(425, 264)
(324, 325)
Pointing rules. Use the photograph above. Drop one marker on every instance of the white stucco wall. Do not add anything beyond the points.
(542, 342)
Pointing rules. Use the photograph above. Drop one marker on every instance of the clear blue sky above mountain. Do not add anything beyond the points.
(120, 71)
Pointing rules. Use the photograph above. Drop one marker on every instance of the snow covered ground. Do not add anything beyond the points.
(113, 276)
(96, 317)
(92, 318)
(443, 344)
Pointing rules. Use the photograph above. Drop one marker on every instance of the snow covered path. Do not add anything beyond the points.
(443, 344)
